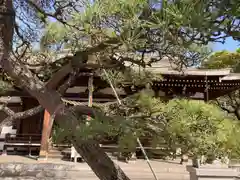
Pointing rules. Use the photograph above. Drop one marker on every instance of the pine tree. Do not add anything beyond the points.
(114, 32)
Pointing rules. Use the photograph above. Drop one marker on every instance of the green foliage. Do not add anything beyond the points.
(223, 59)
(176, 29)
(164, 15)
(127, 23)
(94, 128)
(233, 143)
(238, 50)
(88, 24)
(200, 128)
(197, 127)
(58, 135)
(54, 33)
(134, 26)
(140, 115)
(144, 119)
(5, 86)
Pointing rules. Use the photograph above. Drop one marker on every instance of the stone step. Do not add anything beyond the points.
(55, 149)
(55, 156)
(55, 153)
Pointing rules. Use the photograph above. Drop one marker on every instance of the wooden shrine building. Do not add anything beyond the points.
(190, 82)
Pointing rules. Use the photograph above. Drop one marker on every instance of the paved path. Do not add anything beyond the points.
(137, 170)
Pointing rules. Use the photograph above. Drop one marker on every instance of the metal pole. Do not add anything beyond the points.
(138, 140)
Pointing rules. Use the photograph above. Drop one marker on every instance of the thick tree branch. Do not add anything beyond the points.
(72, 77)
(20, 115)
(224, 108)
(76, 61)
(237, 113)
(233, 101)
(6, 109)
(58, 76)
(31, 112)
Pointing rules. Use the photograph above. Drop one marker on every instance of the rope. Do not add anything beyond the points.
(138, 140)
(77, 103)
(74, 103)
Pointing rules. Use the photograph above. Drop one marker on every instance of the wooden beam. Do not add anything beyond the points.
(193, 85)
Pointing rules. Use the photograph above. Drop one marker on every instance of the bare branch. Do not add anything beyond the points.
(80, 55)
(56, 15)
(37, 8)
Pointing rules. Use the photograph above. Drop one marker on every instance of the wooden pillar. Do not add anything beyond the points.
(45, 134)
(90, 101)
(90, 92)
(206, 93)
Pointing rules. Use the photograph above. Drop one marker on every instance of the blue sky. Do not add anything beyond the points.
(229, 45)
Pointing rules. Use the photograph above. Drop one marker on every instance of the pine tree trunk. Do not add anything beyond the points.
(90, 150)
(96, 158)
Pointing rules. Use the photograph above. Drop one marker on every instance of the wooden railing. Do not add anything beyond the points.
(23, 138)
(155, 152)
(33, 141)
(29, 141)
(113, 146)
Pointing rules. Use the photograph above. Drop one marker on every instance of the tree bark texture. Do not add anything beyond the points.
(237, 112)
(90, 150)
(50, 99)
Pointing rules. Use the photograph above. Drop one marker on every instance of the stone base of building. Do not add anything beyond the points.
(42, 155)
(211, 173)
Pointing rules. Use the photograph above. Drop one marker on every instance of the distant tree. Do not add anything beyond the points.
(225, 59)
(238, 50)
(201, 129)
